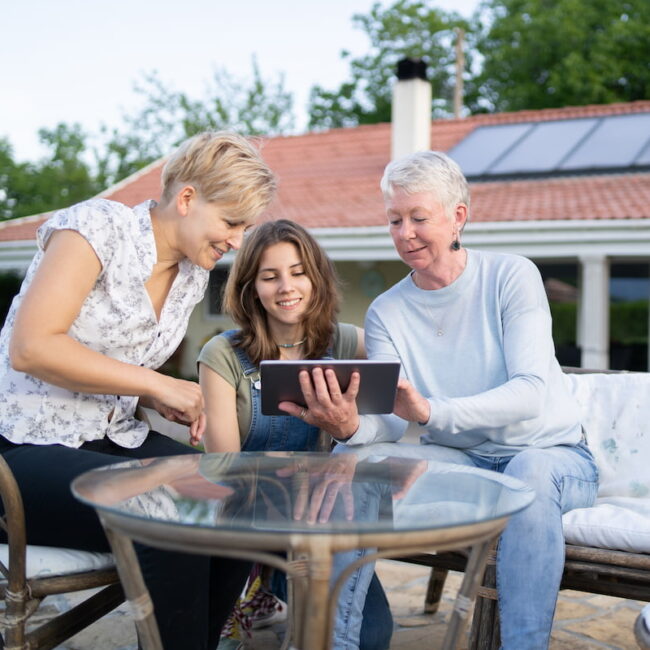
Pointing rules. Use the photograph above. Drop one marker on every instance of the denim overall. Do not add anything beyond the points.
(272, 432)
(289, 433)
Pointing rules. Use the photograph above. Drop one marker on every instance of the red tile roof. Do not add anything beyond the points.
(331, 179)
(624, 196)
(21, 229)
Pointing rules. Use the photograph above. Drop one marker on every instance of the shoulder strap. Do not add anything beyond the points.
(247, 366)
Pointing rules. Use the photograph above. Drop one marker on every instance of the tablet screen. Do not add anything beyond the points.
(279, 380)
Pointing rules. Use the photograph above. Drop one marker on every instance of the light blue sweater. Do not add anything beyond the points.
(481, 351)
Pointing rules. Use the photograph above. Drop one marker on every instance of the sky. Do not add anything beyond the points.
(78, 60)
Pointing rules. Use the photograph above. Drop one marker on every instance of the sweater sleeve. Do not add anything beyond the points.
(378, 428)
(528, 352)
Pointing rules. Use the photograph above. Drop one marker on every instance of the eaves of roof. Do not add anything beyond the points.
(623, 239)
(550, 240)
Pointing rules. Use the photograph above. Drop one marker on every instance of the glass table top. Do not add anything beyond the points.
(302, 492)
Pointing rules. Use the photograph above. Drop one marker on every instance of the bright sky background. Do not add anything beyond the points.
(77, 60)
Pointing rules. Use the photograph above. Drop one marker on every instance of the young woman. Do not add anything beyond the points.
(282, 292)
(104, 303)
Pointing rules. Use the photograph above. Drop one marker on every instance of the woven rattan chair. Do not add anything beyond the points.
(593, 570)
(22, 595)
(622, 574)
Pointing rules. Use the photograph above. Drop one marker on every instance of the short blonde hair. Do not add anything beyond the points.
(223, 167)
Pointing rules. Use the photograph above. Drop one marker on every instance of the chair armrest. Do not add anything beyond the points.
(14, 524)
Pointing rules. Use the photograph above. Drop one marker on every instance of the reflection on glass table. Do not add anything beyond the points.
(309, 506)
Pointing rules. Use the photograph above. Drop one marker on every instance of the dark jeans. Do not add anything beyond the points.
(192, 594)
(377, 625)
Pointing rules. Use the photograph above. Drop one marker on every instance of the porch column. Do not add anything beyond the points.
(594, 311)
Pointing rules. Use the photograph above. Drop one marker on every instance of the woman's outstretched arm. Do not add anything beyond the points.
(40, 344)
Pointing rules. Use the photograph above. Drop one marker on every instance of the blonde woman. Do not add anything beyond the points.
(104, 303)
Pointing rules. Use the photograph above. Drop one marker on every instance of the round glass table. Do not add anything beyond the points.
(307, 506)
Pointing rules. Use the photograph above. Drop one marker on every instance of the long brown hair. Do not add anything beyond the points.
(243, 305)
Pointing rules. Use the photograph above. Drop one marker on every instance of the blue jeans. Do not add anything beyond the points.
(530, 557)
(377, 621)
(363, 620)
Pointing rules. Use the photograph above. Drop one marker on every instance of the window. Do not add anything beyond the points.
(629, 290)
(560, 281)
(216, 286)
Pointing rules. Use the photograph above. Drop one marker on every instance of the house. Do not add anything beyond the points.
(568, 188)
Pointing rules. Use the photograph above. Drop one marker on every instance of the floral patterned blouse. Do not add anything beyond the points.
(116, 319)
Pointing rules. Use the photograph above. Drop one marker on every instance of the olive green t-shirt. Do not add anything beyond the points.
(220, 356)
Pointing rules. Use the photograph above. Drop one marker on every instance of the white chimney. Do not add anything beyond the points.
(411, 114)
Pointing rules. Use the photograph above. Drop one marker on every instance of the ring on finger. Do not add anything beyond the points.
(303, 412)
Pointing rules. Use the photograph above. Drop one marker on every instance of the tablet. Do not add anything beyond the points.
(279, 380)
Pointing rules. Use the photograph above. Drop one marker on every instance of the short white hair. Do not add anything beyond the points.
(428, 171)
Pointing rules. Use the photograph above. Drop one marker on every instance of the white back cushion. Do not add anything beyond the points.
(616, 418)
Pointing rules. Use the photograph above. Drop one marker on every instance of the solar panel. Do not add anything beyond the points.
(579, 144)
(482, 147)
(644, 155)
(545, 146)
(616, 142)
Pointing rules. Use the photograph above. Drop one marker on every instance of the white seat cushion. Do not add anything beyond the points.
(616, 417)
(616, 523)
(48, 561)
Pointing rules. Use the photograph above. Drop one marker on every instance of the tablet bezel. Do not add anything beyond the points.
(377, 390)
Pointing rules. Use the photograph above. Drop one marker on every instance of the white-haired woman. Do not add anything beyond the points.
(481, 381)
(104, 303)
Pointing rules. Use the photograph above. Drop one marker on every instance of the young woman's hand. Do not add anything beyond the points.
(327, 407)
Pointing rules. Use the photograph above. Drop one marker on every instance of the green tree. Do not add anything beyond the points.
(168, 116)
(61, 177)
(73, 171)
(551, 53)
(408, 28)
(7, 173)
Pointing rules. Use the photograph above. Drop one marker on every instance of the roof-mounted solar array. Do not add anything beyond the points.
(615, 142)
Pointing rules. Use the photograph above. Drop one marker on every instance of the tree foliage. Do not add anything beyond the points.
(168, 116)
(408, 28)
(552, 53)
(530, 54)
(59, 178)
(73, 171)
